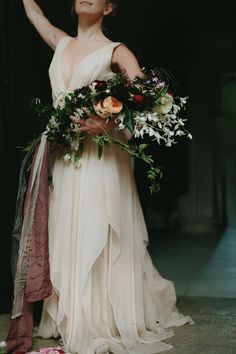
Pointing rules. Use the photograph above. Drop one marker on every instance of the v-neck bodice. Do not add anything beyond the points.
(94, 66)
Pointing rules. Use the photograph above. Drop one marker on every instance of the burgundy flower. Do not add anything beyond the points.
(101, 85)
(139, 99)
(120, 92)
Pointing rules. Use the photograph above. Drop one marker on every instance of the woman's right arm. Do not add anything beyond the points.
(50, 34)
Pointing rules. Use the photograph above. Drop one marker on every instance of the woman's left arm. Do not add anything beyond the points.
(126, 60)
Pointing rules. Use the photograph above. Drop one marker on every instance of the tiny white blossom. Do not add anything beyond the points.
(37, 100)
(179, 132)
(176, 108)
(80, 95)
(190, 136)
(92, 87)
(77, 162)
(67, 157)
(169, 143)
(183, 100)
(121, 126)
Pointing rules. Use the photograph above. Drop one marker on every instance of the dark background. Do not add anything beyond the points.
(193, 39)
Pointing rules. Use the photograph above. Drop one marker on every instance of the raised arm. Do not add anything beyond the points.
(50, 34)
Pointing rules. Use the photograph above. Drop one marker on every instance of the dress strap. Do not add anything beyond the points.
(62, 43)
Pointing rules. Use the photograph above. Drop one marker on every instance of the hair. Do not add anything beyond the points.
(114, 6)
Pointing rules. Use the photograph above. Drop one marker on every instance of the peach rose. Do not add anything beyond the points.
(110, 105)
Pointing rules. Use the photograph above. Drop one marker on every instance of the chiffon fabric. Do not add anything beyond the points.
(107, 295)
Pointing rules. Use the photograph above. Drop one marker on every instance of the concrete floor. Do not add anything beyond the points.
(203, 269)
(214, 331)
(199, 265)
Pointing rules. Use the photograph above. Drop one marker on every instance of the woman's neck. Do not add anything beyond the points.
(90, 29)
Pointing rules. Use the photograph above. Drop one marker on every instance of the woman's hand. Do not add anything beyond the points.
(94, 124)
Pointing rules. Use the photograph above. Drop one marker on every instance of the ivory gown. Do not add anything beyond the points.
(108, 296)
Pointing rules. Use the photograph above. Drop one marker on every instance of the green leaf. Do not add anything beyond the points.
(165, 90)
(100, 149)
(142, 146)
(128, 120)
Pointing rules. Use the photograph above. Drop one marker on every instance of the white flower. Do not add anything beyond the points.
(77, 162)
(67, 157)
(52, 124)
(176, 108)
(183, 100)
(152, 117)
(75, 143)
(92, 87)
(190, 136)
(141, 117)
(180, 133)
(181, 122)
(169, 143)
(37, 101)
(80, 95)
(158, 137)
(151, 132)
(164, 104)
(78, 113)
(121, 126)
(60, 98)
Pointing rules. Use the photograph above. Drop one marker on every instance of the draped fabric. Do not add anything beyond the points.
(30, 232)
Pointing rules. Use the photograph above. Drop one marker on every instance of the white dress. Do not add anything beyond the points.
(108, 296)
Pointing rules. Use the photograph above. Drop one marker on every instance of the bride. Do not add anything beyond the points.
(107, 296)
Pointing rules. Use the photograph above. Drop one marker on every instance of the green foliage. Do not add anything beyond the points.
(3, 350)
(154, 173)
(138, 97)
(128, 121)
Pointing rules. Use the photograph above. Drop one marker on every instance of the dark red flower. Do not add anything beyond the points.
(138, 99)
(101, 85)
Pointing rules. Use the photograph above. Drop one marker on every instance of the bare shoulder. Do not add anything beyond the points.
(126, 59)
(122, 53)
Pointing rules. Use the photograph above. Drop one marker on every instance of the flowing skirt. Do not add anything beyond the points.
(108, 296)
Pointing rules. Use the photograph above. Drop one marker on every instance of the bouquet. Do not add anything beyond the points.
(146, 106)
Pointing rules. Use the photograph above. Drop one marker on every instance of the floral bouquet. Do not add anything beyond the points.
(48, 350)
(145, 106)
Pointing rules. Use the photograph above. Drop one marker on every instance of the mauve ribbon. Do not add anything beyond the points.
(22, 188)
(32, 280)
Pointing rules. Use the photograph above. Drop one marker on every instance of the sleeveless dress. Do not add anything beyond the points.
(107, 295)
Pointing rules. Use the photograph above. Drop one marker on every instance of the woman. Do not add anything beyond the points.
(107, 295)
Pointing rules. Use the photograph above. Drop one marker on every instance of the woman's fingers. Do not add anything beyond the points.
(90, 130)
(92, 125)
(86, 110)
(75, 119)
(83, 122)
(84, 129)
